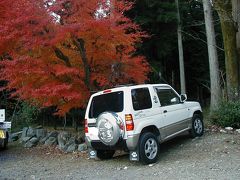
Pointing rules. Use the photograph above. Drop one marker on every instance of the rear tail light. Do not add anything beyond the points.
(129, 122)
(86, 126)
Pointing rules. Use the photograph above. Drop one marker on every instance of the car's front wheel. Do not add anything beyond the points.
(105, 154)
(148, 148)
(5, 142)
(197, 126)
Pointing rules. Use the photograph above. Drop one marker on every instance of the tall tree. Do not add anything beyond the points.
(236, 18)
(158, 18)
(180, 51)
(56, 53)
(229, 30)
(213, 58)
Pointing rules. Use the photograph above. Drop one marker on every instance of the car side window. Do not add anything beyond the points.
(167, 97)
(141, 99)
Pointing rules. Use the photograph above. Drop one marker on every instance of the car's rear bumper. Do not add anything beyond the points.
(130, 143)
(3, 137)
(98, 145)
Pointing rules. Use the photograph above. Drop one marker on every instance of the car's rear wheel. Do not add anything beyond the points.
(148, 148)
(197, 126)
(105, 154)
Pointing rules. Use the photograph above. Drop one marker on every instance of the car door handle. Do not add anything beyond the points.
(165, 111)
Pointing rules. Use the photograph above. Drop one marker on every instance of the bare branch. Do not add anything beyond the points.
(197, 38)
(61, 56)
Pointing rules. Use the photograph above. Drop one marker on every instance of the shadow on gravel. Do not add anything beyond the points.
(15, 151)
(12, 152)
(174, 143)
(166, 148)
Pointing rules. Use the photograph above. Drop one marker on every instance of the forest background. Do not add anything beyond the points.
(53, 55)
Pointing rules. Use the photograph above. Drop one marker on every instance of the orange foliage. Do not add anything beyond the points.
(56, 54)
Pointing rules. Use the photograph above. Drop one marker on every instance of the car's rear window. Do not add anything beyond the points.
(106, 102)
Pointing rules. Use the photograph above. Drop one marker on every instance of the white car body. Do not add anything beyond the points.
(166, 121)
(4, 129)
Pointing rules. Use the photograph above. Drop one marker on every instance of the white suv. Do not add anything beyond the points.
(137, 119)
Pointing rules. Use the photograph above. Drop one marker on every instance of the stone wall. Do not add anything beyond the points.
(64, 140)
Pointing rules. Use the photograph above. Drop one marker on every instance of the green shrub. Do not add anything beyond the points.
(26, 116)
(227, 114)
(29, 113)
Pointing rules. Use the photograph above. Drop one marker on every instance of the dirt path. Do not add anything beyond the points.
(214, 156)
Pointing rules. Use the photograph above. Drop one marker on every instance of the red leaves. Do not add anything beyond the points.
(61, 70)
(58, 63)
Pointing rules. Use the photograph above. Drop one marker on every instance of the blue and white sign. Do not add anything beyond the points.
(2, 115)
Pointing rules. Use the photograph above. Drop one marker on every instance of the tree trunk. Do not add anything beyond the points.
(236, 17)
(224, 9)
(180, 51)
(80, 44)
(212, 54)
(64, 122)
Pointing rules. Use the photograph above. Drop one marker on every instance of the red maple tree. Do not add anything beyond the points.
(56, 52)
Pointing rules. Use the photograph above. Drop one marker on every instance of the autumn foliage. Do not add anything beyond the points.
(56, 53)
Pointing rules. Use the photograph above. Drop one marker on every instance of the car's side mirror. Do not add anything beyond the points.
(183, 97)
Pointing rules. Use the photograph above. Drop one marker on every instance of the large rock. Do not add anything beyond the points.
(42, 140)
(71, 148)
(15, 136)
(51, 134)
(31, 132)
(40, 133)
(28, 144)
(24, 132)
(80, 139)
(25, 139)
(51, 141)
(63, 137)
(34, 140)
(71, 142)
(82, 147)
(223, 131)
(228, 128)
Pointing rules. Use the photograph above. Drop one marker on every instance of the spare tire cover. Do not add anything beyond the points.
(109, 130)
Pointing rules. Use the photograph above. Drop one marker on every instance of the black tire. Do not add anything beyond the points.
(105, 154)
(197, 126)
(5, 143)
(148, 148)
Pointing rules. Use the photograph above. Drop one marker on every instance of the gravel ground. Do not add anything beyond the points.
(213, 156)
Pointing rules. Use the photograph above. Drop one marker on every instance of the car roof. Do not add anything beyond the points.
(123, 87)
